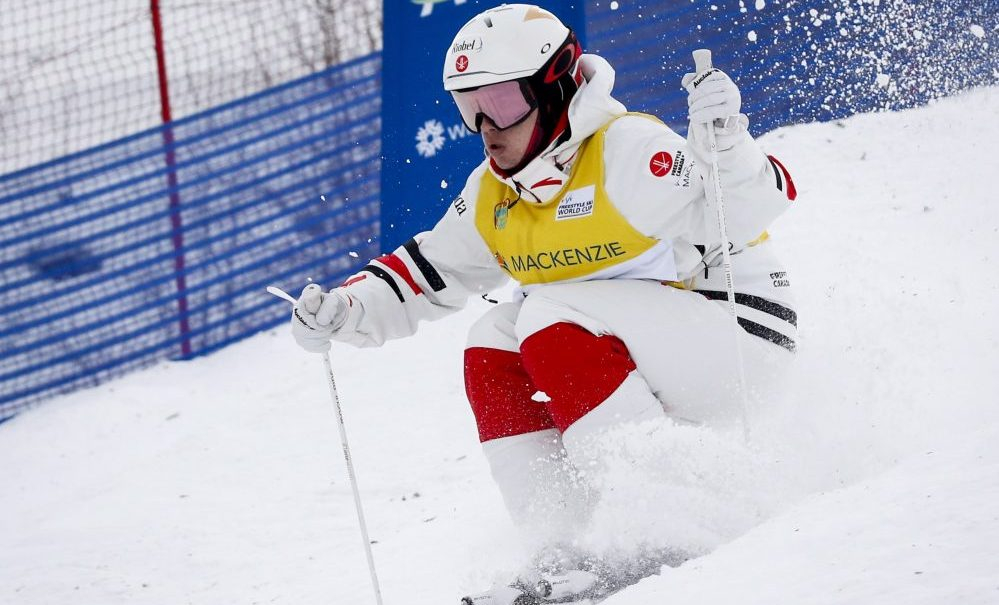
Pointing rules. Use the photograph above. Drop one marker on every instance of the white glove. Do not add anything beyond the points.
(316, 317)
(713, 98)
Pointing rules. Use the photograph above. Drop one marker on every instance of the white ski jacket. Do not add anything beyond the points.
(435, 273)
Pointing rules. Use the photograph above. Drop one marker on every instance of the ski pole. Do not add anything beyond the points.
(702, 63)
(346, 454)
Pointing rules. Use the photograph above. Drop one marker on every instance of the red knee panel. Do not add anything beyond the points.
(500, 392)
(575, 368)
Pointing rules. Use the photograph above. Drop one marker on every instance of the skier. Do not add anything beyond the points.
(602, 218)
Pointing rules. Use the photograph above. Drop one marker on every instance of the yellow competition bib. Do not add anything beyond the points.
(578, 233)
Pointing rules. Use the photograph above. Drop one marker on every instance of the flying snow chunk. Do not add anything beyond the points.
(540, 397)
(883, 80)
(760, 4)
(353, 254)
(751, 35)
(443, 184)
(977, 30)
(614, 5)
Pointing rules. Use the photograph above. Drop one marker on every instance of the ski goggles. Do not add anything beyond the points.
(506, 104)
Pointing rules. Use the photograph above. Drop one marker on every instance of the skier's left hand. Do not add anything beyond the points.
(714, 98)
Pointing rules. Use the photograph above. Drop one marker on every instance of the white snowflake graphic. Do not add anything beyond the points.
(430, 138)
(428, 5)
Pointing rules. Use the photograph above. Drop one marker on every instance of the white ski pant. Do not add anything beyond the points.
(544, 377)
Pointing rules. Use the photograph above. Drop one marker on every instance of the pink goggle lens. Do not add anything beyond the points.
(505, 103)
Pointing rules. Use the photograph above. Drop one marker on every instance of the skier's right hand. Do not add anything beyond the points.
(317, 315)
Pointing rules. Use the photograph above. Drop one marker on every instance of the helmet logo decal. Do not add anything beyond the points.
(467, 45)
(461, 63)
(536, 12)
(660, 164)
(561, 63)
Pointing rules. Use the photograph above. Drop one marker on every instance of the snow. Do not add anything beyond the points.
(924, 532)
(875, 479)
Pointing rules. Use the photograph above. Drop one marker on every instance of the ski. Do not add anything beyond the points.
(574, 587)
(577, 586)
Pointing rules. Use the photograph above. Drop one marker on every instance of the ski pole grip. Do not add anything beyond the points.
(702, 60)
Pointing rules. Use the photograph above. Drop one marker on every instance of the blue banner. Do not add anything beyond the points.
(426, 150)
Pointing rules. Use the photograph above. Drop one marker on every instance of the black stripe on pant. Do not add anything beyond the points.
(755, 302)
(766, 306)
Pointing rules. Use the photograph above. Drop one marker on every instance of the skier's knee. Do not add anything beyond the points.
(575, 368)
(550, 305)
(500, 393)
(495, 329)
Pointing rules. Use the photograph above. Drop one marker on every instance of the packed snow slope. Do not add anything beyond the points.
(874, 479)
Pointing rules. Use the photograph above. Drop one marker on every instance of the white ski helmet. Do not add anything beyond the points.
(519, 43)
(504, 43)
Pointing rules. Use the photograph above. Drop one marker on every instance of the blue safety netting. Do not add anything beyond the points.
(159, 245)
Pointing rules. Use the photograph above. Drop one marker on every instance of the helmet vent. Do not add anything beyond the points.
(489, 21)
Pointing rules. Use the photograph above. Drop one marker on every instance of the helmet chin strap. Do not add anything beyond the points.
(540, 140)
(553, 98)
(535, 146)
(550, 126)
